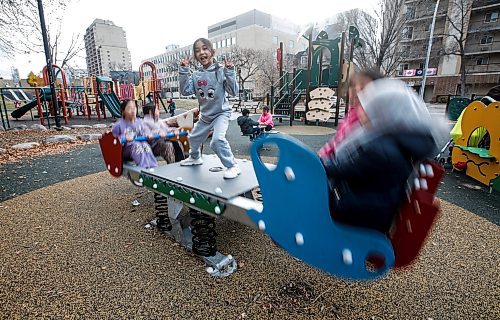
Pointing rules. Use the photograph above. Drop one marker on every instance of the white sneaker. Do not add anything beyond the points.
(191, 162)
(232, 172)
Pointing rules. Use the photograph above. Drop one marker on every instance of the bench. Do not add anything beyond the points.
(254, 105)
(237, 105)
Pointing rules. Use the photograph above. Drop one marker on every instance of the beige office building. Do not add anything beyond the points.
(106, 48)
(253, 29)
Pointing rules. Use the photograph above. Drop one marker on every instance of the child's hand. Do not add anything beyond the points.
(150, 136)
(227, 63)
(129, 138)
(185, 62)
(162, 134)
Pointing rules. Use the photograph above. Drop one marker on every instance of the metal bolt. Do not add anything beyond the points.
(289, 174)
(299, 238)
(347, 256)
(262, 225)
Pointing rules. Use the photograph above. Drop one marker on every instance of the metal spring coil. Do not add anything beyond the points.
(203, 230)
(161, 206)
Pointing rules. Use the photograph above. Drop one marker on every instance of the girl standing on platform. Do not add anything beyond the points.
(210, 84)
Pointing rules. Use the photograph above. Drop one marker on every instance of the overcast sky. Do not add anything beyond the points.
(151, 25)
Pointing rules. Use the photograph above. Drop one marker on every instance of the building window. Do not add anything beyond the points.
(486, 39)
(303, 60)
(491, 17)
(405, 51)
(275, 39)
(407, 33)
(233, 42)
(220, 43)
(291, 43)
(402, 68)
(421, 65)
(483, 60)
(410, 12)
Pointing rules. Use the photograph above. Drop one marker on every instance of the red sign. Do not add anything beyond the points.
(278, 58)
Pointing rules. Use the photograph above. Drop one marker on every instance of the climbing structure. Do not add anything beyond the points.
(480, 157)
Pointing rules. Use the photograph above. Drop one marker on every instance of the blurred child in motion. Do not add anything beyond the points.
(368, 172)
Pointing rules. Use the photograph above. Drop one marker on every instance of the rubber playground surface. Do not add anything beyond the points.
(74, 246)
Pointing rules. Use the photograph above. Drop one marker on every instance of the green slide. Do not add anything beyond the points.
(109, 98)
(44, 96)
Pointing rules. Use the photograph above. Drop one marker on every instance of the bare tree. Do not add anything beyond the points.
(268, 72)
(247, 60)
(19, 20)
(454, 40)
(381, 33)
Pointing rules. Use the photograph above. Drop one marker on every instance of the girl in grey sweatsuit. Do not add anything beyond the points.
(210, 83)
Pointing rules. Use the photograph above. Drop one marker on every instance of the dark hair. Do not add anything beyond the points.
(265, 108)
(206, 42)
(245, 112)
(123, 105)
(150, 106)
(371, 74)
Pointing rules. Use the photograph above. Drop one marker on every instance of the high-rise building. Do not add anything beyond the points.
(481, 24)
(106, 48)
(253, 29)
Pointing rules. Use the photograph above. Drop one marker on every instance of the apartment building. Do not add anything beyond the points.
(252, 29)
(106, 48)
(482, 46)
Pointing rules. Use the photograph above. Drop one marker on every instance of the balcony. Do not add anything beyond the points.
(439, 15)
(484, 4)
(421, 55)
(486, 68)
(424, 36)
(484, 27)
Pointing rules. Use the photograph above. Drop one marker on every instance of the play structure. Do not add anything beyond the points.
(98, 96)
(294, 87)
(189, 199)
(477, 142)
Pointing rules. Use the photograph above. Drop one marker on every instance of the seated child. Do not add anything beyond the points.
(170, 150)
(247, 125)
(171, 107)
(266, 119)
(368, 173)
(128, 127)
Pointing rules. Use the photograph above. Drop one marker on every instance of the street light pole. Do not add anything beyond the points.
(48, 58)
(429, 46)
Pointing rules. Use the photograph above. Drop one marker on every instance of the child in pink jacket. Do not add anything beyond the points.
(266, 119)
(351, 122)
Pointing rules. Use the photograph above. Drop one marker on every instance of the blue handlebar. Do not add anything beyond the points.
(155, 137)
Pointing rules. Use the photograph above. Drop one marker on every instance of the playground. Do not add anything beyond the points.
(68, 255)
(89, 234)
